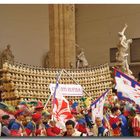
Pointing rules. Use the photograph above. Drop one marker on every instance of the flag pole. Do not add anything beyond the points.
(75, 81)
(57, 80)
(47, 101)
(56, 86)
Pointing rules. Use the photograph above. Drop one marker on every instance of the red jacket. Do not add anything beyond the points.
(113, 120)
(81, 128)
(53, 131)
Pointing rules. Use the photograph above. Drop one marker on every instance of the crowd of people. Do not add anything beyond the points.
(121, 118)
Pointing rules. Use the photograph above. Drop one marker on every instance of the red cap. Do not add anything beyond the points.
(39, 105)
(19, 112)
(36, 116)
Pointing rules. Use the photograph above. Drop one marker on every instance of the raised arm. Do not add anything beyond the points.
(125, 27)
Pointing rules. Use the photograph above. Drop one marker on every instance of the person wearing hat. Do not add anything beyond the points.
(40, 127)
(30, 128)
(17, 128)
(4, 126)
(45, 118)
(39, 107)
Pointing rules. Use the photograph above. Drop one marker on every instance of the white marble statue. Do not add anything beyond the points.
(81, 59)
(122, 54)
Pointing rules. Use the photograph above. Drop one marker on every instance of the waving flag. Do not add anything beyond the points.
(127, 87)
(97, 106)
(61, 110)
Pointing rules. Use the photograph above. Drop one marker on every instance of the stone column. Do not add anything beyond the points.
(62, 35)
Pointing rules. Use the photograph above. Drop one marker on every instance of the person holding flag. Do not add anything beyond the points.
(61, 110)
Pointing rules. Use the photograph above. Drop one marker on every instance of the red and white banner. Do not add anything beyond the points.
(61, 109)
(68, 89)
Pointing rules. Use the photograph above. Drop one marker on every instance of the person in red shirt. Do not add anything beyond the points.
(40, 127)
(136, 124)
(39, 107)
(115, 122)
(52, 129)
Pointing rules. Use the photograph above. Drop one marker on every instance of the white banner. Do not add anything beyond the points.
(97, 107)
(68, 89)
(127, 90)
